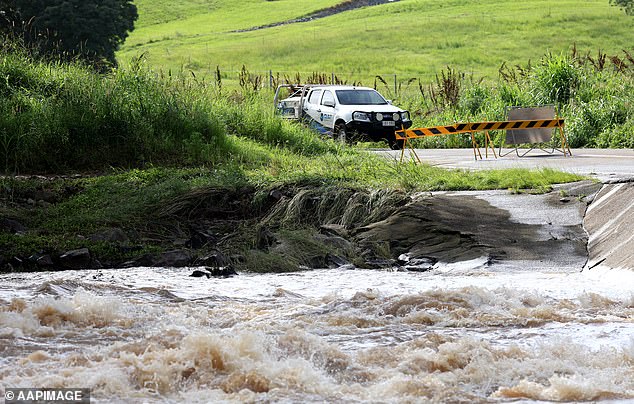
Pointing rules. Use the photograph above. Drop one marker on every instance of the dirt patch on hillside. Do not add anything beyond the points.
(326, 12)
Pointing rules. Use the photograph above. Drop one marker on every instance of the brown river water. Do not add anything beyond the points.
(461, 333)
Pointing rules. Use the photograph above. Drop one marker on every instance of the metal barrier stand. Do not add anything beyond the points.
(417, 133)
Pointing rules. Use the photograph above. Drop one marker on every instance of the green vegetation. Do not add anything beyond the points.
(165, 147)
(593, 93)
(210, 13)
(175, 152)
(454, 61)
(410, 38)
(59, 117)
(626, 5)
(68, 29)
(56, 117)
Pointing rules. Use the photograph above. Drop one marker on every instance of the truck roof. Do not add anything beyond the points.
(340, 87)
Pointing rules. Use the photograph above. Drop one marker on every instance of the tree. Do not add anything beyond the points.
(626, 5)
(8, 15)
(91, 30)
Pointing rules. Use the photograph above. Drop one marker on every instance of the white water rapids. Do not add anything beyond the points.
(453, 334)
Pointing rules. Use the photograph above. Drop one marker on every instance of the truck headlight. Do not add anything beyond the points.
(361, 116)
(405, 115)
(396, 116)
(379, 116)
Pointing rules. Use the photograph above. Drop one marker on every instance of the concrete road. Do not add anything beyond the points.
(607, 165)
(608, 221)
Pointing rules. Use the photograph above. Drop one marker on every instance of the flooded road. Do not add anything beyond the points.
(462, 333)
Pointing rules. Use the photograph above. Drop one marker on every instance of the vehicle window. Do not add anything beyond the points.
(360, 97)
(327, 97)
(313, 98)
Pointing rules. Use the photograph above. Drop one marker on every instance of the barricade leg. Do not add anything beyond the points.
(411, 147)
(476, 147)
(564, 141)
(403, 150)
(406, 144)
(488, 143)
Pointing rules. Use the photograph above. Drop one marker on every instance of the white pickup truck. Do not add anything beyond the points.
(346, 112)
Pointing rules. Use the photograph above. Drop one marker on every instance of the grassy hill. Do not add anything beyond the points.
(411, 38)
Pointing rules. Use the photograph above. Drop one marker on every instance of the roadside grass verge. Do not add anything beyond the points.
(593, 93)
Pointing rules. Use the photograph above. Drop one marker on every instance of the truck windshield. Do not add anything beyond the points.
(360, 97)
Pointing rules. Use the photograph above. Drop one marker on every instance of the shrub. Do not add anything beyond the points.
(474, 99)
(253, 117)
(588, 120)
(554, 80)
(64, 116)
(617, 136)
(512, 95)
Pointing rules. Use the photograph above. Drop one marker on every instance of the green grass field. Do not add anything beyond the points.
(410, 38)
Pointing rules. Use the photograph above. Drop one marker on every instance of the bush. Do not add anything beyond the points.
(618, 136)
(596, 103)
(588, 120)
(554, 80)
(64, 116)
(253, 117)
(512, 95)
(474, 99)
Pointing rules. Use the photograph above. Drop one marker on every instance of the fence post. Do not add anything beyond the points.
(270, 78)
(332, 78)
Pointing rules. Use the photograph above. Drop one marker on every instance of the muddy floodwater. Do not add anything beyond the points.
(462, 333)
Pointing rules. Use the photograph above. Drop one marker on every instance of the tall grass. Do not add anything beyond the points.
(62, 117)
(57, 117)
(555, 80)
(596, 99)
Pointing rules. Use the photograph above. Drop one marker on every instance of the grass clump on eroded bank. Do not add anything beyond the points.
(170, 162)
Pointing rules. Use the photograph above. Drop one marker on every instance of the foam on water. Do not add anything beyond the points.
(156, 335)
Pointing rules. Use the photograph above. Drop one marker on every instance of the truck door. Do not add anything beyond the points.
(327, 109)
(311, 105)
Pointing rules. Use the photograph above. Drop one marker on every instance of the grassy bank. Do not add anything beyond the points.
(60, 118)
(170, 162)
(161, 209)
(63, 117)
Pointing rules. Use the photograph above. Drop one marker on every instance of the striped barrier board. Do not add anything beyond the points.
(472, 127)
(414, 133)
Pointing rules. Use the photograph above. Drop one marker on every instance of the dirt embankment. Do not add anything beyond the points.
(326, 12)
(288, 229)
